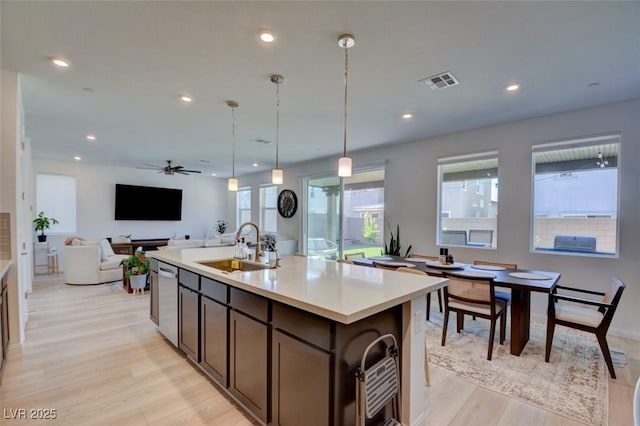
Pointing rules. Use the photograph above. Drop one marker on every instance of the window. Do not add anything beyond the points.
(243, 206)
(268, 208)
(575, 196)
(56, 197)
(462, 211)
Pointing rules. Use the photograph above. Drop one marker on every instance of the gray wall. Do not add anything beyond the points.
(411, 194)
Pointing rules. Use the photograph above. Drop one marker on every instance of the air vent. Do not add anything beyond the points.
(262, 141)
(441, 81)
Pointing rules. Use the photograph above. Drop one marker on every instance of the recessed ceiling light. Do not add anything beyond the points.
(60, 63)
(255, 164)
(213, 174)
(91, 137)
(407, 115)
(513, 87)
(186, 99)
(267, 36)
(77, 158)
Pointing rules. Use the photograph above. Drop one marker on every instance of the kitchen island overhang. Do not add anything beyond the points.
(342, 293)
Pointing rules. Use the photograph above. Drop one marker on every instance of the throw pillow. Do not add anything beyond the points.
(106, 250)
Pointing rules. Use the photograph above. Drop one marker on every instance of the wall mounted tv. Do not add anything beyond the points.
(147, 203)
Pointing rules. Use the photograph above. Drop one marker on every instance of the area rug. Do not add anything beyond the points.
(573, 384)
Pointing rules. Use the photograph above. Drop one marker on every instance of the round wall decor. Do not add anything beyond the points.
(287, 203)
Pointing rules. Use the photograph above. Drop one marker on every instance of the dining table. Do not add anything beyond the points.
(521, 282)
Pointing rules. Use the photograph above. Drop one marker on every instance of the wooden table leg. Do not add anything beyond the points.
(520, 320)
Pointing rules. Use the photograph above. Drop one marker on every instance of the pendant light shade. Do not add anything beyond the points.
(277, 175)
(233, 182)
(345, 41)
(344, 167)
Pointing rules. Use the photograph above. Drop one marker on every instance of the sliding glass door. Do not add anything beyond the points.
(345, 217)
(323, 218)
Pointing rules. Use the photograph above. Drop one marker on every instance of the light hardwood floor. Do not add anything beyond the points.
(92, 354)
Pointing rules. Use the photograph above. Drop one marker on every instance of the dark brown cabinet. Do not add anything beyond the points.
(188, 324)
(283, 365)
(214, 322)
(301, 383)
(249, 355)
(154, 303)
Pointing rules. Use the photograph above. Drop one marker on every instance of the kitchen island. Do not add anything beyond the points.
(285, 343)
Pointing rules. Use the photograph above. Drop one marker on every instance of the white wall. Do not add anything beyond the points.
(411, 194)
(10, 167)
(204, 201)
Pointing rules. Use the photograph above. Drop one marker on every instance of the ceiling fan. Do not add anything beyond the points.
(169, 169)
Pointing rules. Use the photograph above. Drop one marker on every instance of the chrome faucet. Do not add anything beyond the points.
(258, 255)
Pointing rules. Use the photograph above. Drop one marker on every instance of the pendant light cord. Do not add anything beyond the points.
(233, 132)
(346, 79)
(277, 122)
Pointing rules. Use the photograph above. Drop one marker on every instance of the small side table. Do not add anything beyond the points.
(52, 262)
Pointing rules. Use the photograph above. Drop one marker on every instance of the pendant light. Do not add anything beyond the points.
(233, 182)
(277, 176)
(345, 41)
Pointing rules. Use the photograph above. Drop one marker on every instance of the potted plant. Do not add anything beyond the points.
(136, 270)
(41, 223)
(394, 244)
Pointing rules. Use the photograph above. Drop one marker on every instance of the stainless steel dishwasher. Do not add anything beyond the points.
(168, 301)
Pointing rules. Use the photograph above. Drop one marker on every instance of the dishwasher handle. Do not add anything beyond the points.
(167, 274)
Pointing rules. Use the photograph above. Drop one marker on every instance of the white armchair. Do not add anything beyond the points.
(86, 263)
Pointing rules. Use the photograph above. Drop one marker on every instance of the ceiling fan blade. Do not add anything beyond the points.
(149, 168)
(181, 172)
(190, 171)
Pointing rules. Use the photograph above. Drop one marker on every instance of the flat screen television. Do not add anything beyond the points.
(147, 203)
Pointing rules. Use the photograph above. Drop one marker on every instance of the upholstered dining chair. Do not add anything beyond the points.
(584, 314)
(435, 258)
(501, 295)
(427, 376)
(381, 266)
(356, 255)
(466, 295)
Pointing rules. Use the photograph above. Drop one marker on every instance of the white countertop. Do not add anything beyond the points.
(338, 291)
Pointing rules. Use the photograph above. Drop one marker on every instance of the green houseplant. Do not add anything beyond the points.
(393, 248)
(136, 270)
(41, 223)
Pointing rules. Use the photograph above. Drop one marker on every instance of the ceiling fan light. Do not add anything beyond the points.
(344, 167)
(233, 184)
(277, 176)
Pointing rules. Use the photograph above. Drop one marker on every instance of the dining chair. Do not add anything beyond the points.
(502, 295)
(427, 376)
(344, 261)
(466, 295)
(435, 258)
(586, 314)
(356, 255)
(380, 266)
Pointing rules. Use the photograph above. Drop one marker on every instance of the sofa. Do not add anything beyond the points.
(176, 244)
(91, 262)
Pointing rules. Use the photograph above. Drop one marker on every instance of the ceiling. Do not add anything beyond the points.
(130, 61)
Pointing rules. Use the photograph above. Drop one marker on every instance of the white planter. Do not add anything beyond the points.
(138, 282)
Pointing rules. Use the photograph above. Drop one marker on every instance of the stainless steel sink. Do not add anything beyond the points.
(230, 265)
